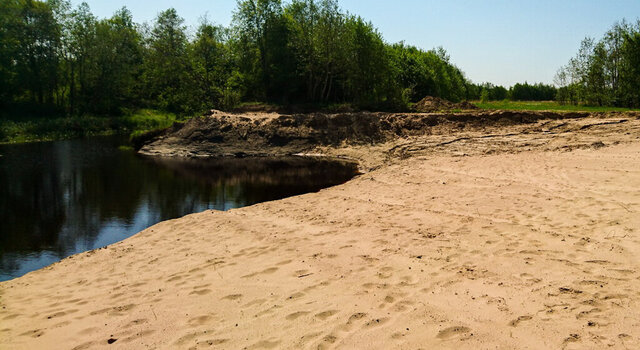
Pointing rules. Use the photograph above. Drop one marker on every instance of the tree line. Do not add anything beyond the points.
(604, 72)
(54, 57)
(518, 92)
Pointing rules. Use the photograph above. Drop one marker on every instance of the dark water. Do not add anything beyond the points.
(62, 198)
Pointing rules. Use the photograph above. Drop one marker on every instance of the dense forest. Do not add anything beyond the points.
(604, 72)
(518, 92)
(57, 58)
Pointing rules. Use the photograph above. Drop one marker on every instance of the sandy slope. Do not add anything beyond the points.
(454, 241)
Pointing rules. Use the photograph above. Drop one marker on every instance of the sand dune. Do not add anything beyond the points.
(528, 241)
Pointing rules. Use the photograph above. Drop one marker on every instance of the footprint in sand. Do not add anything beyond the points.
(137, 322)
(263, 272)
(387, 300)
(138, 335)
(191, 336)
(299, 273)
(62, 313)
(209, 343)
(256, 302)
(174, 278)
(201, 292)
(295, 315)
(265, 344)
(296, 295)
(353, 320)
(232, 297)
(34, 333)
(515, 322)
(10, 316)
(376, 322)
(327, 341)
(87, 331)
(199, 321)
(455, 331)
(402, 305)
(356, 316)
(326, 314)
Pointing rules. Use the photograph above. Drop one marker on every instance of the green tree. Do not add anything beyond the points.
(535, 92)
(10, 39)
(613, 42)
(484, 96)
(125, 57)
(430, 73)
(166, 64)
(211, 65)
(81, 64)
(369, 80)
(630, 68)
(257, 24)
(603, 72)
(37, 59)
(595, 80)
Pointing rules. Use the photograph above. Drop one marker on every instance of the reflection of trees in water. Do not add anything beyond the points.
(253, 180)
(58, 196)
(31, 211)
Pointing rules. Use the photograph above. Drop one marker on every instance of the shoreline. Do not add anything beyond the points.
(508, 235)
(32, 129)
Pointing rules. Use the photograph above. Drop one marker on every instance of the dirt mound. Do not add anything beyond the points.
(290, 109)
(466, 105)
(262, 134)
(432, 104)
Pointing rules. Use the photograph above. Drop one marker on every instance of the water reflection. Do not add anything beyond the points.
(61, 198)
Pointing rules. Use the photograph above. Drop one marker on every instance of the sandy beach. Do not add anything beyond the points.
(511, 236)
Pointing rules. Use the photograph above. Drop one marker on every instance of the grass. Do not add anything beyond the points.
(545, 105)
(32, 129)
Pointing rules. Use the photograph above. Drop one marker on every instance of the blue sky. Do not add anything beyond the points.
(500, 41)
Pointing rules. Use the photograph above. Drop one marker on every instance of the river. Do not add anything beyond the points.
(65, 197)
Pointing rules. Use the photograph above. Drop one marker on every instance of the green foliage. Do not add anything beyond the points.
(544, 106)
(428, 73)
(630, 70)
(56, 60)
(210, 67)
(59, 59)
(369, 81)
(37, 36)
(21, 129)
(165, 64)
(9, 46)
(518, 92)
(535, 92)
(497, 92)
(484, 97)
(603, 72)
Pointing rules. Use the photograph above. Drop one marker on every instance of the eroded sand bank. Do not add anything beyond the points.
(524, 236)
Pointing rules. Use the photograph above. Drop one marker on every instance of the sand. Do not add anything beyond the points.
(517, 237)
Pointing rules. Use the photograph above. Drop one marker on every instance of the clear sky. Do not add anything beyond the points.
(500, 41)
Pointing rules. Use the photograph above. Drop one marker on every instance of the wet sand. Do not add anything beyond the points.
(516, 237)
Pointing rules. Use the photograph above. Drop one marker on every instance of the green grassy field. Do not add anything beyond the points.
(32, 129)
(544, 105)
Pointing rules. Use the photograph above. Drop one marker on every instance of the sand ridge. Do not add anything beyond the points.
(522, 241)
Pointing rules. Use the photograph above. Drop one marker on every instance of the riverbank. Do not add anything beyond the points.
(460, 235)
(375, 139)
(34, 129)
